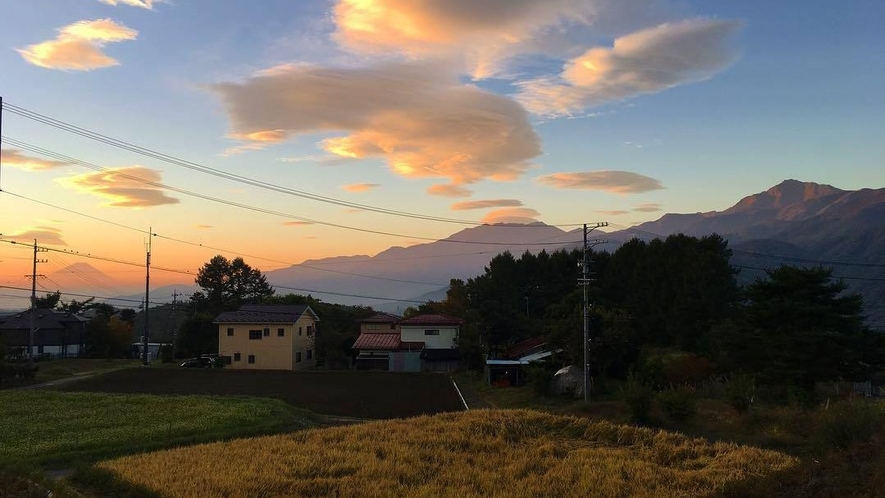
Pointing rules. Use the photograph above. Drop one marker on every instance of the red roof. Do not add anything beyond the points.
(519, 349)
(432, 319)
(381, 341)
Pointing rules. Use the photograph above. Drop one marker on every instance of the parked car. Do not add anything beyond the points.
(201, 362)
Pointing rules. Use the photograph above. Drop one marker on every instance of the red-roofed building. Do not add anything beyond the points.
(419, 343)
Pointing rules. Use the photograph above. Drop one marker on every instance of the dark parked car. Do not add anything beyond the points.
(201, 362)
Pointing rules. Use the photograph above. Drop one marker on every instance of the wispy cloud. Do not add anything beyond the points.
(78, 46)
(417, 116)
(122, 187)
(42, 234)
(144, 4)
(296, 223)
(360, 187)
(511, 215)
(618, 182)
(15, 158)
(645, 61)
(205, 227)
(647, 208)
(613, 212)
(485, 204)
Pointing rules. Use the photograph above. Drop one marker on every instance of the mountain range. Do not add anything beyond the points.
(793, 222)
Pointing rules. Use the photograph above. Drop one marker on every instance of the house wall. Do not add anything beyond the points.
(447, 337)
(377, 328)
(303, 342)
(270, 352)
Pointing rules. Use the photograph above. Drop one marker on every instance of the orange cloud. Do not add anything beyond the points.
(205, 227)
(418, 117)
(15, 158)
(42, 234)
(617, 182)
(461, 206)
(78, 46)
(359, 187)
(482, 33)
(131, 186)
(296, 223)
(645, 61)
(449, 191)
(647, 208)
(511, 215)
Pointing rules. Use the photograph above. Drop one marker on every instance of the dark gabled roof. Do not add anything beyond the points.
(259, 313)
(520, 349)
(382, 318)
(44, 318)
(432, 319)
(441, 354)
(382, 341)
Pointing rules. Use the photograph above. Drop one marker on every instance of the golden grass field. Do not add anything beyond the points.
(481, 453)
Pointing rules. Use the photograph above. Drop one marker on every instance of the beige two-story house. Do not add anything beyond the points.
(277, 337)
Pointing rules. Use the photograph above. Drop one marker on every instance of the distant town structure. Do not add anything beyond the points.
(268, 337)
(422, 343)
(56, 333)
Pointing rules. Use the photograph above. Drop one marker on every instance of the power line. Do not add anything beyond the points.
(86, 164)
(128, 146)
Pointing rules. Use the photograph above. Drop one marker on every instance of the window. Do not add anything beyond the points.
(299, 330)
(309, 329)
(255, 335)
(236, 356)
(431, 332)
(252, 358)
(373, 326)
(281, 332)
(298, 357)
(266, 332)
(230, 332)
(309, 354)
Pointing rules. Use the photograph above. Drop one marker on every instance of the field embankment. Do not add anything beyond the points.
(374, 395)
(483, 453)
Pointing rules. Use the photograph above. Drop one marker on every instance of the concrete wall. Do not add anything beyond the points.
(447, 337)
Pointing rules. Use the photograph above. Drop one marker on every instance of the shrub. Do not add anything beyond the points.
(639, 397)
(847, 423)
(678, 402)
(541, 380)
(740, 392)
(167, 353)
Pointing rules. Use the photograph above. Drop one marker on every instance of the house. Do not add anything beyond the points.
(56, 333)
(426, 342)
(511, 369)
(265, 337)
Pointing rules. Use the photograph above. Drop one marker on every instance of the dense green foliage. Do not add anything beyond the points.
(227, 284)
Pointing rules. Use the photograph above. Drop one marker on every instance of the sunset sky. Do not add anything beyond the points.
(281, 122)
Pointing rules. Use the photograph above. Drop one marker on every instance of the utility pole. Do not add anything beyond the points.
(147, 302)
(585, 282)
(34, 301)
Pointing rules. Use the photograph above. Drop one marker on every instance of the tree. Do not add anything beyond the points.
(799, 327)
(50, 300)
(228, 284)
(109, 337)
(198, 335)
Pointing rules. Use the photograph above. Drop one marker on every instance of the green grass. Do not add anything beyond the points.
(58, 428)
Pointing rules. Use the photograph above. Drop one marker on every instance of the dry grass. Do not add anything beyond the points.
(488, 453)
